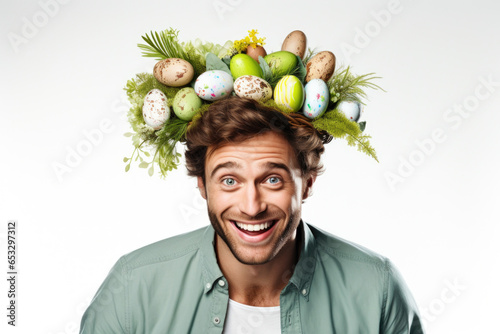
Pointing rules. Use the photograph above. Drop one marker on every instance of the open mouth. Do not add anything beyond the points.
(254, 229)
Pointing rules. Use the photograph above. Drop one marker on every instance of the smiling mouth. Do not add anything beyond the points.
(254, 229)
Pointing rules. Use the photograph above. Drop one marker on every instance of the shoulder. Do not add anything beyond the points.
(364, 280)
(165, 250)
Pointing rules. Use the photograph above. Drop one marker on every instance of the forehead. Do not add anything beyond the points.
(254, 152)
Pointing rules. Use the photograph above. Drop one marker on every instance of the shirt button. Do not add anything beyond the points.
(304, 292)
(207, 286)
(216, 320)
(222, 283)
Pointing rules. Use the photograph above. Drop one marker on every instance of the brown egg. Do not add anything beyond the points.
(321, 66)
(256, 52)
(296, 43)
(173, 72)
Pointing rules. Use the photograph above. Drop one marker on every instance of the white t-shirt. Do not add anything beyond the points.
(245, 319)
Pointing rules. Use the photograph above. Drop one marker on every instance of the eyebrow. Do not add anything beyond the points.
(228, 164)
(268, 165)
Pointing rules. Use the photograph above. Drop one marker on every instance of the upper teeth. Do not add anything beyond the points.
(254, 227)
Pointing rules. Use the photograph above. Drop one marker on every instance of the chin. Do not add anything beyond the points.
(281, 232)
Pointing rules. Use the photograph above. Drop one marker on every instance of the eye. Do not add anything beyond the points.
(274, 180)
(229, 181)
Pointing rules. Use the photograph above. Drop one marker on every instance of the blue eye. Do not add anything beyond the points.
(274, 180)
(229, 182)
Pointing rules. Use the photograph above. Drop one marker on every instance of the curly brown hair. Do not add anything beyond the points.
(236, 119)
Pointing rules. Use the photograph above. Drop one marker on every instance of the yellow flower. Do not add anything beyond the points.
(250, 40)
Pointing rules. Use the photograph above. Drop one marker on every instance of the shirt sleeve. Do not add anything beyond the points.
(399, 311)
(107, 311)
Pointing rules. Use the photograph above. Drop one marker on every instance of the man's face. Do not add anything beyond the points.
(254, 193)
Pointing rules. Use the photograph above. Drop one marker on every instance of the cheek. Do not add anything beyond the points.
(220, 200)
(284, 199)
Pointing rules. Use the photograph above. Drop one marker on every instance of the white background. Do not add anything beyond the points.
(438, 222)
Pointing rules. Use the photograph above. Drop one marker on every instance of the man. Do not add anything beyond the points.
(258, 268)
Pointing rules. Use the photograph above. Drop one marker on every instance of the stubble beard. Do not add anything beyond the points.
(290, 228)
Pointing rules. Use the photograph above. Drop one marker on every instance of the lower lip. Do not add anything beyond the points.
(254, 238)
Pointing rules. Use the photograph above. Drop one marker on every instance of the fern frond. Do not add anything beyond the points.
(339, 126)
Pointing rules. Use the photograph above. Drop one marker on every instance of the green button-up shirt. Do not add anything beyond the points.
(175, 286)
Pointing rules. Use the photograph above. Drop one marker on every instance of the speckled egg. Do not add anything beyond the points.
(321, 66)
(350, 109)
(186, 103)
(214, 85)
(289, 93)
(253, 87)
(173, 72)
(317, 97)
(296, 43)
(155, 109)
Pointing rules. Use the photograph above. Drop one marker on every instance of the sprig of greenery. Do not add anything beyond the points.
(163, 45)
(164, 141)
(309, 54)
(166, 154)
(346, 86)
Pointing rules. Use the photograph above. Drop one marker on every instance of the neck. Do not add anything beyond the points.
(261, 284)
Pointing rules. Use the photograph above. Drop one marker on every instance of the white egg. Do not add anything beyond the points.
(155, 109)
(350, 109)
(214, 85)
(317, 98)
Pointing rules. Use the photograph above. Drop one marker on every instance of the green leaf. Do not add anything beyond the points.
(127, 168)
(151, 170)
(362, 126)
(215, 63)
(143, 164)
(266, 70)
(146, 154)
(227, 60)
(126, 159)
(128, 134)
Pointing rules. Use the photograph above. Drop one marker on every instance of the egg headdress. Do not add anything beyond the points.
(189, 76)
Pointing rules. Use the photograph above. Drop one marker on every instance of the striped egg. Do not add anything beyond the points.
(289, 93)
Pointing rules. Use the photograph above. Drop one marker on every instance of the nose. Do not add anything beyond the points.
(251, 201)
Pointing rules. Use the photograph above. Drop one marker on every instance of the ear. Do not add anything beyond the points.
(308, 186)
(201, 186)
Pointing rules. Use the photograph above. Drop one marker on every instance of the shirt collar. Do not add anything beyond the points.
(303, 272)
(210, 268)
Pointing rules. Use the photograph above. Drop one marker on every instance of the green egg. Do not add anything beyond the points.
(242, 64)
(186, 104)
(281, 62)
